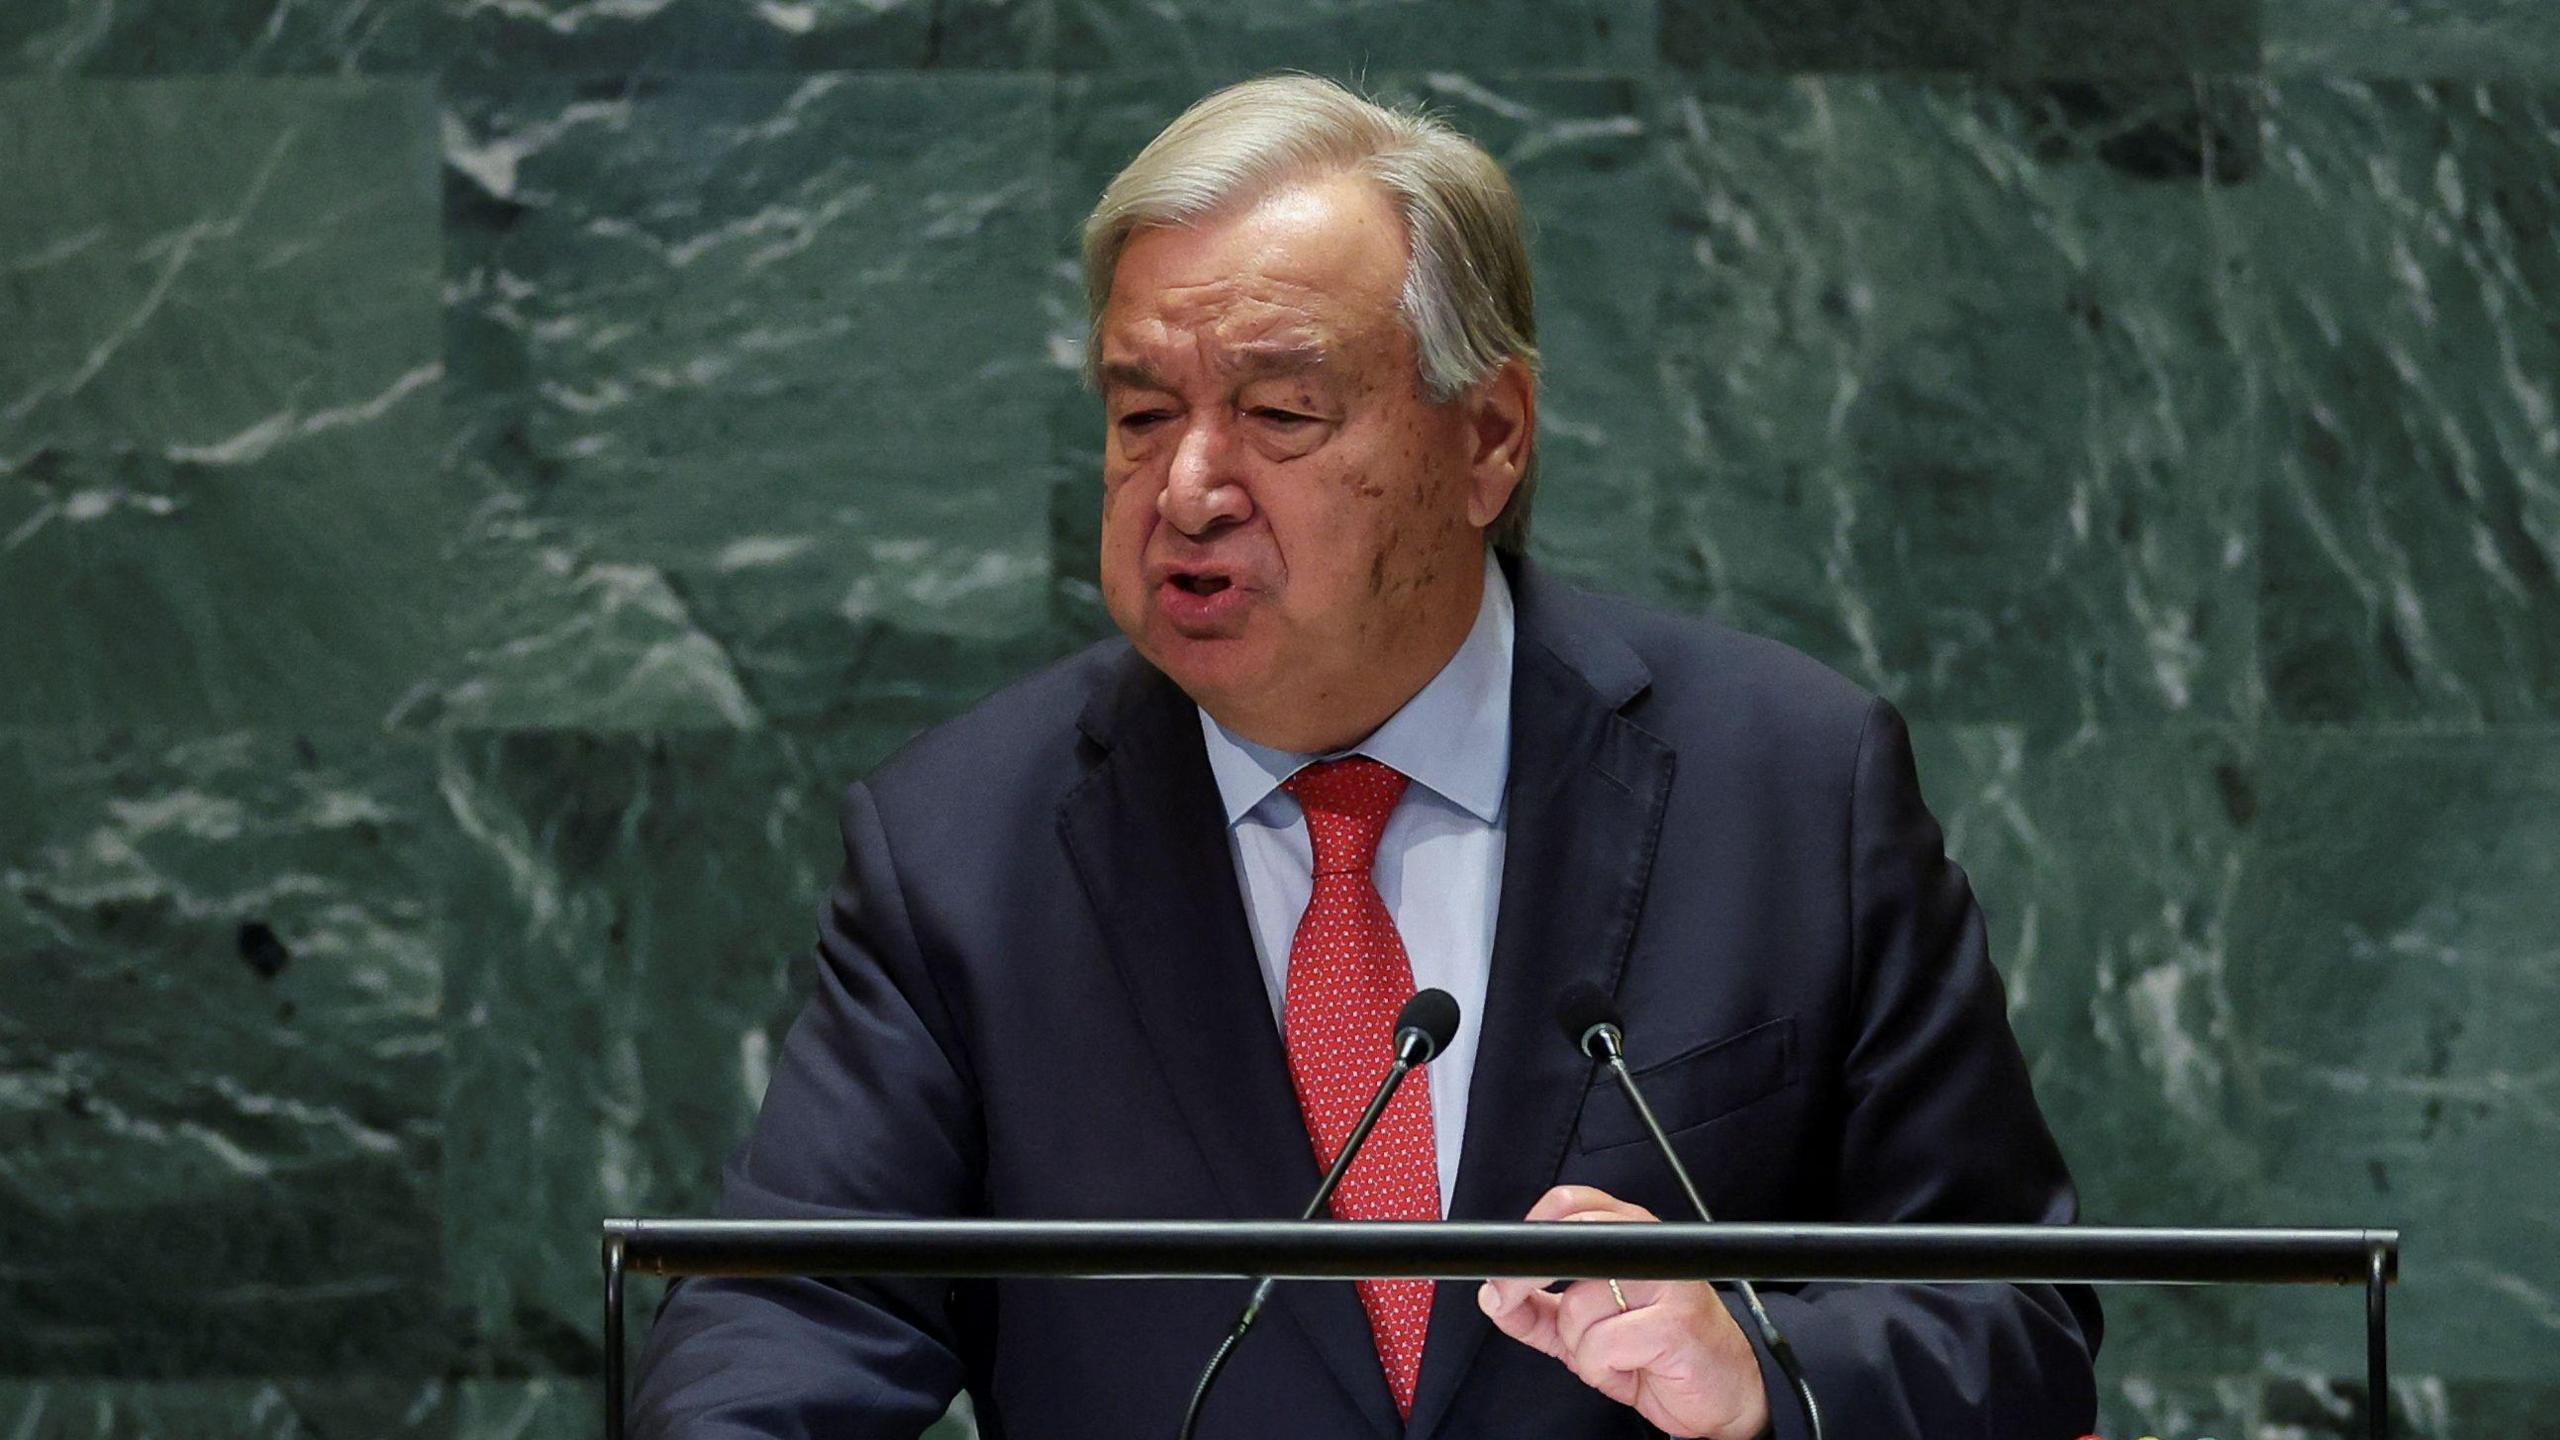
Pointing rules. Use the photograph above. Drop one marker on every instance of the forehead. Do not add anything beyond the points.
(1318, 265)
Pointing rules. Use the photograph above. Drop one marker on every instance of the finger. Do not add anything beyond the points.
(1622, 1214)
(1584, 1303)
(1641, 1293)
(1565, 1200)
(1529, 1317)
(1669, 1364)
(1507, 1290)
(1616, 1354)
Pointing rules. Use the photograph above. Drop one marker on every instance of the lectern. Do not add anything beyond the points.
(1350, 1250)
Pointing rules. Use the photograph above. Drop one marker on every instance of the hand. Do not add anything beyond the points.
(1675, 1354)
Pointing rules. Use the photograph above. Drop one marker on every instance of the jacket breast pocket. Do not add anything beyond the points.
(1703, 1083)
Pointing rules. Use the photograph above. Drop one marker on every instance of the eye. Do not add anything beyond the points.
(1278, 416)
(1140, 420)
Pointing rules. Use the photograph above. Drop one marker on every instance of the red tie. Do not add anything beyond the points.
(1348, 976)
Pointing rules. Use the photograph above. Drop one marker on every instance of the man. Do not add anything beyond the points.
(1124, 941)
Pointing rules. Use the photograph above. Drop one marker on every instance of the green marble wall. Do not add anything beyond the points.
(475, 477)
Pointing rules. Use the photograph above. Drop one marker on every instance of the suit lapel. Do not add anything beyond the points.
(1148, 836)
(1585, 806)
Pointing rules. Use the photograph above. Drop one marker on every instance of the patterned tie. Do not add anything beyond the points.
(1348, 976)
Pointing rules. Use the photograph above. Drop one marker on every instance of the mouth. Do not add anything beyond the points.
(1202, 604)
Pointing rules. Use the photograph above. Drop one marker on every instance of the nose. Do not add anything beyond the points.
(1204, 491)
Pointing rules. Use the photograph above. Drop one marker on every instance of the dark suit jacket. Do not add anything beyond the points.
(1036, 997)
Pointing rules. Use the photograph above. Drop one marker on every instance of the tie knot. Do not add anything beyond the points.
(1347, 802)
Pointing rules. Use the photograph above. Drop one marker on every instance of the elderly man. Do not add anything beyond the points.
(1126, 940)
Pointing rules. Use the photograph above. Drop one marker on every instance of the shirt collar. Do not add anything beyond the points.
(1453, 737)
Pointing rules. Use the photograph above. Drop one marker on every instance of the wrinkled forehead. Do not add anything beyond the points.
(1239, 326)
(1312, 274)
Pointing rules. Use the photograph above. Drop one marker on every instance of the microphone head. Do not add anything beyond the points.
(1585, 1013)
(1430, 1018)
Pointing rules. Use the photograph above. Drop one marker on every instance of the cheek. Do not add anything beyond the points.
(1400, 489)
(1126, 491)
(1126, 511)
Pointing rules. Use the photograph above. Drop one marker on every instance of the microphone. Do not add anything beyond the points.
(1424, 1028)
(1590, 1020)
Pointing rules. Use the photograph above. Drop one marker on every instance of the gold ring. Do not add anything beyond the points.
(1620, 1295)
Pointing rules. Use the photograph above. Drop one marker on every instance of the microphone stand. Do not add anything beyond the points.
(1607, 1042)
(1407, 1043)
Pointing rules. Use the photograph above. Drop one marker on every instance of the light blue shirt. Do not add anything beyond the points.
(1439, 863)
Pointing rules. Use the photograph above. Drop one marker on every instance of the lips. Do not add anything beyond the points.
(1201, 603)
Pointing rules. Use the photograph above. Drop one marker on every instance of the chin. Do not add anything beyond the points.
(1209, 671)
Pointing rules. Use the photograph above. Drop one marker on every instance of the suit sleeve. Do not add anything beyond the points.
(871, 1112)
(1939, 1125)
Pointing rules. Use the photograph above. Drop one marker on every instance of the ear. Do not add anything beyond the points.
(1502, 424)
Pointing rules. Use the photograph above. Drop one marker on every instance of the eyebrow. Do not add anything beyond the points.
(1249, 362)
(1130, 375)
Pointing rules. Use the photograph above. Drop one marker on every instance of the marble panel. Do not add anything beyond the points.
(219, 1057)
(515, 37)
(210, 37)
(2477, 1410)
(1958, 412)
(2080, 39)
(218, 492)
(1099, 123)
(545, 1409)
(2400, 954)
(2262, 1406)
(572, 1410)
(630, 935)
(2428, 39)
(1582, 153)
(2184, 1404)
(751, 383)
(1588, 162)
(557, 1409)
(2108, 866)
(615, 37)
(287, 1409)
(1337, 37)
(2392, 278)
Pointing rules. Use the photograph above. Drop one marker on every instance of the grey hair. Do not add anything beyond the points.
(1467, 299)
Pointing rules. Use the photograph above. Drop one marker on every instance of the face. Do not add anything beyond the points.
(1291, 531)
